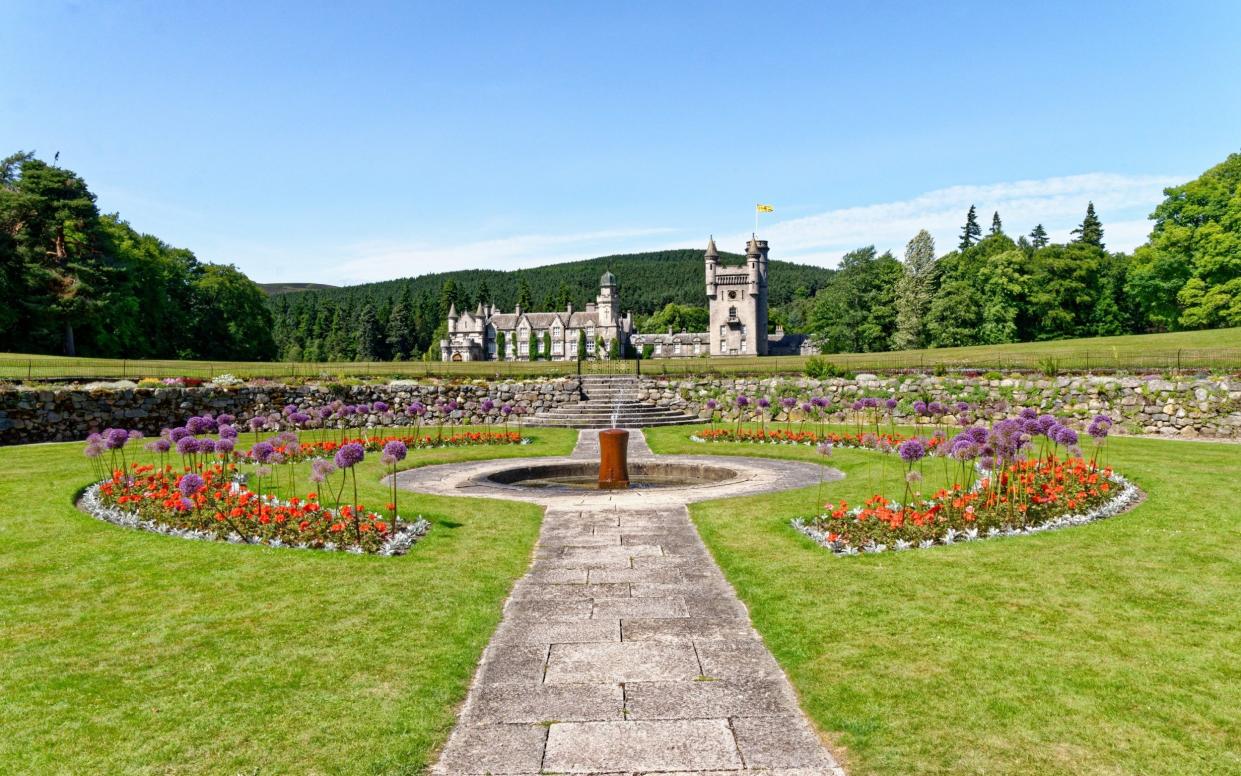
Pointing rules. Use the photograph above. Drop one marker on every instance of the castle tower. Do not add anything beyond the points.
(737, 299)
(608, 303)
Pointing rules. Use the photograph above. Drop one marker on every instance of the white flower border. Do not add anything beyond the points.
(1127, 497)
(397, 544)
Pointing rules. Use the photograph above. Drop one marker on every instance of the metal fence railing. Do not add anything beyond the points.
(1051, 361)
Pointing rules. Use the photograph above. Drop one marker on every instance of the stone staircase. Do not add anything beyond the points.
(606, 395)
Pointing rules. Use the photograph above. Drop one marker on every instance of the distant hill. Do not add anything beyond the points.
(271, 289)
(647, 281)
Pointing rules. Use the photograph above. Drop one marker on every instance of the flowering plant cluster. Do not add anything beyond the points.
(882, 441)
(210, 504)
(341, 416)
(174, 506)
(1021, 474)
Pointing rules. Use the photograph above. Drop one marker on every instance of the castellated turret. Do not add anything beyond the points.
(737, 298)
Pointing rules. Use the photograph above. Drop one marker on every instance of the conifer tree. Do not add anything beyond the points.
(614, 349)
(501, 346)
(534, 346)
(400, 328)
(914, 291)
(1091, 229)
(581, 345)
(971, 232)
(523, 293)
(1038, 237)
(547, 346)
(484, 292)
(996, 226)
(369, 347)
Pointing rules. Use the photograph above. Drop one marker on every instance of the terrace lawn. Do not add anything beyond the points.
(134, 653)
(1110, 648)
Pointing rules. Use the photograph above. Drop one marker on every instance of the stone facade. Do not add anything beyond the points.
(477, 336)
(1187, 407)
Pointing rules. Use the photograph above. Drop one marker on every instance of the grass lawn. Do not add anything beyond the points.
(1212, 349)
(1111, 648)
(134, 653)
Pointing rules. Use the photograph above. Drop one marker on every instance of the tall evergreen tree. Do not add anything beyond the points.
(547, 346)
(523, 293)
(484, 292)
(370, 340)
(996, 226)
(534, 345)
(501, 346)
(400, 329)
(914, 292)
(581, 345)
(1090, 231)
(1038, 236)
(971, 232)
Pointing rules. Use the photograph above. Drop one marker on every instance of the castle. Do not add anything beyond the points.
(736, 299)
(490, 335)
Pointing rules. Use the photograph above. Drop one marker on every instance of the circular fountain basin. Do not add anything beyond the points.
(584, 475)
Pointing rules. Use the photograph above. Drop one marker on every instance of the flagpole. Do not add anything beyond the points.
(756, 221)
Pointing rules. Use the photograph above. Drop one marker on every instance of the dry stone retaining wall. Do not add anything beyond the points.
(1181, 407)
(56, 414)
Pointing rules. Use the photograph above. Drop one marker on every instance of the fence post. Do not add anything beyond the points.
(29, 368)
(1178, 359)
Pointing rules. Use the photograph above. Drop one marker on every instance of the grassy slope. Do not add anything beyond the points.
(127, 652)
(1216, 349)
(1104, 649)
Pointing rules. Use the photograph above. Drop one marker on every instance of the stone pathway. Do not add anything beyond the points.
(624, 651)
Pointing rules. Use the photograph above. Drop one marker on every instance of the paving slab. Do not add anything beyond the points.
(590, 747)
(624, 651)
(632, 661)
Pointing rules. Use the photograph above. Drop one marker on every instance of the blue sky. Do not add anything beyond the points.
(338, 143)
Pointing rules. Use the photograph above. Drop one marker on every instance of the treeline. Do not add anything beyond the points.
(993, 289)
(75, 282)
(405, 319)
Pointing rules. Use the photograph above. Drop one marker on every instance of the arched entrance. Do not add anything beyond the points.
(456, 356)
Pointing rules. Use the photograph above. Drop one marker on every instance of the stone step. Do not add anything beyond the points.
(620, 423)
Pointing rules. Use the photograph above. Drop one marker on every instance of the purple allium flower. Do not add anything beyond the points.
(396, 450)
(763, 402)
(891, 403)
(262, 451)
(298, 418)
(196, 425)
(115, 438)
(380, 406)
(1028, 413)
(257, 423)
(178, 433)
(488, 405)
(225, 419)
(911, 450)
(976, 433)
(187, 445)
(712, 404)
(935, 409)
(349, 455)
(743, 401)
(224, 446)
(1097, 430)
(135, 434)
(806, 407)
(1066, 436)
(449, 407)
(190, 484)
(920, 407)
(858, 405)
(228, 432)
(93, 449)
(160, 445)
(320, 468)
(788, 402)
(206, 446)
(289, 409)
(506, 409)
(417, 409)
(963, 406)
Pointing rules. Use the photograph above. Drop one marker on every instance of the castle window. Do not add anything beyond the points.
(732, 313)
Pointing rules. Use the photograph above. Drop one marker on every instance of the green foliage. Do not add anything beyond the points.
(678, 317)
(501, 346)
(614, 349)
(74, 281)
(1090, 231)
(914, 291)
(547, 346)
(534, 346)
(857, 312)
(648, 350)
(971, 232)
(581, 345)
(1038, 237)
(821, 369)
(1189, 275)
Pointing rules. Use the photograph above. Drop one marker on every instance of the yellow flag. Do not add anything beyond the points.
(765, 208)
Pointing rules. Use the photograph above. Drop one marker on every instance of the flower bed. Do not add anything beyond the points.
(1024, 497)
(212, 505)
(867, 440)
(288, 445)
